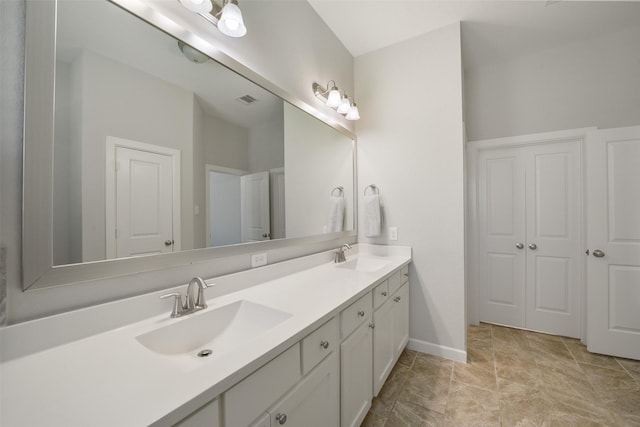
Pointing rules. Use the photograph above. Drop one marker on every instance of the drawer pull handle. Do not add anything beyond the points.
(372, 326)
(361, 313)
(396, 299)
(281, 418)
(324, 344)
(384, 294)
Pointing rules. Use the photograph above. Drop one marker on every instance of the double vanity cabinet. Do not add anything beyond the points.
(330, 376)
(305, 342)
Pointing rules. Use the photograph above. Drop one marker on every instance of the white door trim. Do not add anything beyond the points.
(208, 168)
(110, 203)
(472, 217)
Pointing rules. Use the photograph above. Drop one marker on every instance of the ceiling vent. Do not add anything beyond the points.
(247, 99)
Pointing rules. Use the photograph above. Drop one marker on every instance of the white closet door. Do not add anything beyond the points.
(613, 283)
(502, 228)
(553, 238)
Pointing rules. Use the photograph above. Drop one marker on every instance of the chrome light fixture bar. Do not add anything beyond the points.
(227, 18)
(336, 99)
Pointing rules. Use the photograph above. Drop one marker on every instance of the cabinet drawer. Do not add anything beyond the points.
(405, 274)
(248, 399)
(380, 294)
(208, 415)
(355, 314)
(395, 281)
(318, 344)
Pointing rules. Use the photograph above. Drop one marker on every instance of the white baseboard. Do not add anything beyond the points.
(437, 350)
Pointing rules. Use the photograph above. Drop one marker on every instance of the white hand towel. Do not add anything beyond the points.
(372, 215)
(336, 214)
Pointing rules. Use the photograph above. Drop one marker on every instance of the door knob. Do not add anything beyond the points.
(281, 418)
(598, 253)
(533, 246)
(265, 235)
(519, 245)
(168, 242)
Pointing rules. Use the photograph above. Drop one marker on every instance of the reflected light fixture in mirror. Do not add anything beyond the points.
(192, 54)
(336, 99)
(227, 18)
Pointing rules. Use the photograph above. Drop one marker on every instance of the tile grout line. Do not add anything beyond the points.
(401, 386)
(495, 367)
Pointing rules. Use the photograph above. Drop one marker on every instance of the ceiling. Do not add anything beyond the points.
(492, 31)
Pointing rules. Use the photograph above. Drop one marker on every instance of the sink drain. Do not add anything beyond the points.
(205, 353)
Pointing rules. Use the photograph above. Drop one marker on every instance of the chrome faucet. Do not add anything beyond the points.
(339, 255)
(192, 302)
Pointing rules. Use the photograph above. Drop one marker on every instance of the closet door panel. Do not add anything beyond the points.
(613, 274)
(501, 215)
(553, 238)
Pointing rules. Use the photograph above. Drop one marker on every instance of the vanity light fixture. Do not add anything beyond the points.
(198, 6)
(336, 99)
(227, 18)
(353, 113)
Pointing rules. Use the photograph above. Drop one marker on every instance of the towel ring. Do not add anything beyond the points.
(373, 187)
(340, 191)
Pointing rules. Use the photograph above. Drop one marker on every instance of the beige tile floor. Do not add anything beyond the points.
(512, 378)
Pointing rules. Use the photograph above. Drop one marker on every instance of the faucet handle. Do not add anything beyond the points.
(177, 303)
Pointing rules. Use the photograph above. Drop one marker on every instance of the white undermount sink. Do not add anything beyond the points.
(364, 264)
(215, 330)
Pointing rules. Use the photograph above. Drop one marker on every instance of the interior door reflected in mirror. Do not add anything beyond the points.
(158, 148)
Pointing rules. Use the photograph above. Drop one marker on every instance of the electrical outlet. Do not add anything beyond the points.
(393, 233)
(258, 260)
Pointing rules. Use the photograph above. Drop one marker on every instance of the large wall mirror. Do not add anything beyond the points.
(153, 154)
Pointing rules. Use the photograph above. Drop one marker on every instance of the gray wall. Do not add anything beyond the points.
(156, 112)
(414, 154)
(225, 144)
(266, 144)
(290, 62)
(317, 159)
(594, 82)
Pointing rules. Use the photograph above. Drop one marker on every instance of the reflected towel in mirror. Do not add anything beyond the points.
(336, 214)
(372, 215)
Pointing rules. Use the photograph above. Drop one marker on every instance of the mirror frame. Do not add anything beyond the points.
(37, 220)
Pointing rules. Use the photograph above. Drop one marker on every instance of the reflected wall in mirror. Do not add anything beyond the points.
(159, 149)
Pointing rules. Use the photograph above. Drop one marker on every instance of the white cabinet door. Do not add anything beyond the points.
(613, 279)
(383, 344)
(501, 225)
(390, 335)
(356, 385)
(314, 401)
(400, 320)
(530, 237)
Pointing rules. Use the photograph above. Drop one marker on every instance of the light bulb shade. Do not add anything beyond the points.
(344, 106)
(353, 113)
(198, 6)
(334, 98)
(231, 22)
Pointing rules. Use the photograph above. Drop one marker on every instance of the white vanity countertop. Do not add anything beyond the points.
(110, 379)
